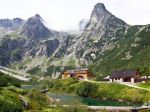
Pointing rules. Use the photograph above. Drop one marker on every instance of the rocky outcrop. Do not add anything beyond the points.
(103, 23)
(11, 24)
(101, 33)
(10, 50)
(35, 29)
(16, 49)
(46, 48)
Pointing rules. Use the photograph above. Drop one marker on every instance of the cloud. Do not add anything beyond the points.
(134, 12)
(66, 14)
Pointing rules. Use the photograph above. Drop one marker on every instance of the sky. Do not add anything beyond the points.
(64, 15)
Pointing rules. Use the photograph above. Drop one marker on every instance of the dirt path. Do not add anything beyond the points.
(110, 108)
(134, 86)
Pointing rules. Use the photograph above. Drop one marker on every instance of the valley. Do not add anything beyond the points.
(45, 70)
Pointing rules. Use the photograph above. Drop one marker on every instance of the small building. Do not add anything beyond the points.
(82, 73)
(125, 76)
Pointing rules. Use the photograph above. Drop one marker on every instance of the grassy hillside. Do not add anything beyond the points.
(110, 91)
(131, 52)
(145, 85)
(6, 80)
(12, 99)
(9, 100)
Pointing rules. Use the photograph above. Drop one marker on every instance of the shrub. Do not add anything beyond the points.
(37, 100)
(86, 89)
(6, 80)
(10, 101)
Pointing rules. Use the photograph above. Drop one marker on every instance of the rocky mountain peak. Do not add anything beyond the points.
(18, 22)
(102, 32)
(102, 18)
(37, 15)
(35, 29)
(99, 12)
(99, 7)
(35, 18)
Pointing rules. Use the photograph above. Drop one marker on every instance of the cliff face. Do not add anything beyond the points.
(35, 29)
(101, 33)
(102, 23)
(16, 49)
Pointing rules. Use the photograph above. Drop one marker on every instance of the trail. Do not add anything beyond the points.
(134, 86)
(15, 74)
(126, 84)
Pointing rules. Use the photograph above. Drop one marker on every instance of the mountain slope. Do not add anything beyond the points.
(101, 33)
(14, 23)
(33, 39)
(35, 29)
(107, 44)
(131, 52)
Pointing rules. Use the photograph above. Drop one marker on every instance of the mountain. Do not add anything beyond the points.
(101, 33)
(107, 44)
(35, 29)
(111, 45)
(33, 39)
(14, 23)
(130, 52)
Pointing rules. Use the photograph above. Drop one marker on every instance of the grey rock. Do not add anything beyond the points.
(102, 31)
(14, 23)
(35, 29)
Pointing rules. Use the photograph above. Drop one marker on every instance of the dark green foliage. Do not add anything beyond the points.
(9, 102)
(35, 70)
(61, 85)
(109, 91)
(38, 100)
(52, 69)
(86, 89)
(16, 52)
(75, 108)
(134, 42)
(6, 80)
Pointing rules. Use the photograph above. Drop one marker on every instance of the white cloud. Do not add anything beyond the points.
(134, 12)
(65, 14)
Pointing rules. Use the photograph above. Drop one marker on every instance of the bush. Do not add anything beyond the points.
(37, 100)
(75, 108)
(6, 80)
(110, 91)
(9, 101)
(86, 89)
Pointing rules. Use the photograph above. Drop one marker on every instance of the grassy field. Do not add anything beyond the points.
(145, 85)
(107, 91)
